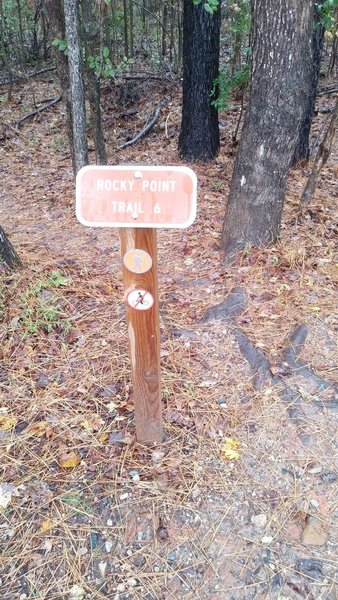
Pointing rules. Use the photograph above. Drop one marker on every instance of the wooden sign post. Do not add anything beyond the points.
(138, 200)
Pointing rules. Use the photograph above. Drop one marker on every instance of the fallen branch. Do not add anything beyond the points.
(27, 76)
(322, 155)
(145, 129)
(38, 110)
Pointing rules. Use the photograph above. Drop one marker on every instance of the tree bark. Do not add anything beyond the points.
(72, 22)
(281, 49)
(199, 136)
(323, 154)
(302, 146)
(57, 24)
(91, 32)
(8, 256)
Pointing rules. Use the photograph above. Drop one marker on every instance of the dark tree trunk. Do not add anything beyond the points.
(281, 40)
(91, 32)
(72, 22)
(8, 256)
(125, 28)
(57, 25)
(199, 136)
(302, 146)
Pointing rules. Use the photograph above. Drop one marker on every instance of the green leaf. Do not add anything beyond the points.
(105, 52)
(208, 8)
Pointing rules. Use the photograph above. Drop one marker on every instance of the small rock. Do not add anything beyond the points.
(76, 592)
(157, 456)
(134, 475)
(132, 582)
(109, 522)
(267, 539)
(120, 587)
(314, 470)
(116, 437)
(314, 533)
(102, 568)
(43, 381)
(259, 520)
(329, 477)
(108, 545)
(311, 567)
(124, 496)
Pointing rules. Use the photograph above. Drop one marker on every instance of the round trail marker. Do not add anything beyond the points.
(137, 261)
(140, 299)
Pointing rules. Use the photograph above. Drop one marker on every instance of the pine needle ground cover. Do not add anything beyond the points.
(240, 500)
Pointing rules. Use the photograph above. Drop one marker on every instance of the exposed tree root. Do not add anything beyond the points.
(261, 368)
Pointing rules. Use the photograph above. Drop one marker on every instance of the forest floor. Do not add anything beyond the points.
(86, 511)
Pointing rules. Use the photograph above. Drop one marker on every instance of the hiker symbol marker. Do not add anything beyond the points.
(137, 261)
(140, 299)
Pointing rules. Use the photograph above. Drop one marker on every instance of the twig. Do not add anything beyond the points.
(324, 92)
(19, 77)
(38, 110)
(322, 155)
(145, 129)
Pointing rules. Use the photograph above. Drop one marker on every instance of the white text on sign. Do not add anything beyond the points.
(128, 185)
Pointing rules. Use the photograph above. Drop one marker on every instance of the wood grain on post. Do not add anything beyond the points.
(144, 337)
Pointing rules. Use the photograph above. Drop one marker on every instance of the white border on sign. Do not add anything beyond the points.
(140, 168)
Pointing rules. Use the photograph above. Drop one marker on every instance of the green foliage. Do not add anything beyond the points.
(103, 66)
(211, 6)
(60, 44)
(224, 85)
(326, 11)
(239, 16)
(41, 306)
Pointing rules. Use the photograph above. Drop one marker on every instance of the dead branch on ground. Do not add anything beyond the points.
(38, 110)
(145, 129)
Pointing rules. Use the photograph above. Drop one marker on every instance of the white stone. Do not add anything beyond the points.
(259, 520)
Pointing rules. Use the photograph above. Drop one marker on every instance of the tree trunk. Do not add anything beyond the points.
(8, 256)
(22, 51)
(125, 28)
(57, 24)
(302, 146)
(5, 53)
(281, 41)
(199, 136)
(323, 154)
(72, 22)
(91, 32)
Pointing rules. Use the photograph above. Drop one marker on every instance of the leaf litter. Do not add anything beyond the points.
(85, 510)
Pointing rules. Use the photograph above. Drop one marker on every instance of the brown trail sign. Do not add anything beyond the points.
(138, 200)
